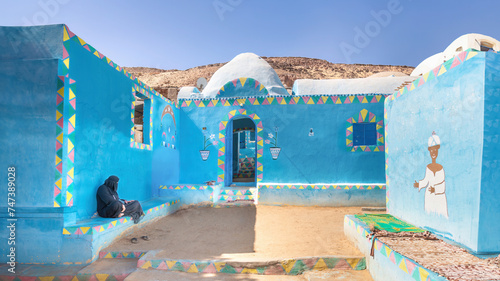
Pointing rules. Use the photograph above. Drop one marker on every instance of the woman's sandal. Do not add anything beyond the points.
(145, 238)
(134, 240)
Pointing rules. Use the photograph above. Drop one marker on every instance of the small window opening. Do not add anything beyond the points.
(141, 119)
(364, 134)
(486, 46)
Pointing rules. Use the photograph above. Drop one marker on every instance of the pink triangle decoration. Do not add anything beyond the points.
(210, 104)
(235, 81)
(420, 82)
(235, 103)
(59, 99)
(58, 145)
(69, 180)
(456, 62)
(305, 99)
(221, 126)
(71, 81)
(197, 102)
(87, 47)
(73, 103)
(410, 266)
(56, 190)
(162, 266)
(252, 100)
(60, 122)
(210, 269)
(70, 128)
(374, 100)
(334, 99)
(320, 101)
(462, 55)
(59, 167)
(265, 102)
(360, 98)
(347, 100)
(256, 83)
(279, 99)
(392, 258)
(65, 53)
(292, 101)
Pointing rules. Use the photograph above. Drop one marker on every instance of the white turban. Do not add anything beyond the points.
(434, 140)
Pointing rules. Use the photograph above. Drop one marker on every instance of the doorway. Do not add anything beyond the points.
(241, 153)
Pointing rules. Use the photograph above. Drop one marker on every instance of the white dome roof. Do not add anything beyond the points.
(472, 40)
(246, 65)
(188, 93)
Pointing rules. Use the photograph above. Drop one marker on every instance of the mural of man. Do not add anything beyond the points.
(434, 181)
(168, 126)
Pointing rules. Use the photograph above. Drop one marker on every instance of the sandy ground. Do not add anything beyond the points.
(253, 232)
(327, 275)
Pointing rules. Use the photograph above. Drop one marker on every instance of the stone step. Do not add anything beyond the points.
(150, 275)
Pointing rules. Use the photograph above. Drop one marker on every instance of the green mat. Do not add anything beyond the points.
(387, 222)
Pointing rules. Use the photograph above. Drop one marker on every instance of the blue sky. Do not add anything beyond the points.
(187, 33)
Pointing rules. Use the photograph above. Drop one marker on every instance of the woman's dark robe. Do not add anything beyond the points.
(109, 204)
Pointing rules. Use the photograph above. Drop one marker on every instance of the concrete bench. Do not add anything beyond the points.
(191, 193)
(92, 235)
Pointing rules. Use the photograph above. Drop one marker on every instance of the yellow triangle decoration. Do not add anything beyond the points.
(85, 229)
(256, 117)
(81, 41)
(201, 104)
(261, 87)
(58, 160)
(171, 264)
(57, 205)
(351, 98)
(379, 97)
(66, 232)
(71, 94)
(243, 80)
(188, 102)
(68, 197)
(70, 145)
(423, 273)
(222, 89)
(256, 102)
(66, 62)
(249, 271)
(60, 138)
(288, 265)
(338, 101)
(58, 115)
(71, 173)
(364, 112)
(296, 99)
(222, 149)
(324, 98)
(221, 135)
(261, 143)
(219, 265)
(147, 265)
(97, 54)
(214, 102)
(348, 141)
(259, 130)
(65, 35)
(471, 55)
(224, 123)
(61, 91)
(310, 101)
(402, 266)
(270, 100)
(442, 70)
(426, 75)
(388, 251)
(72, 120)
(227, 103)
(283, 101)
(113, 223)
(352, 262)
(412, 86)
(192, 269)
(261, 168)
(59, 183)
(240, 101)
(232, 112)
(220, 162)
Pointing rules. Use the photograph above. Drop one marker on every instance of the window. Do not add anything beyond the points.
(486, 46)
(142, 128)
(364, 134)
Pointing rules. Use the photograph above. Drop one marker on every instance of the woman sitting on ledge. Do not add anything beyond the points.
(109, 205)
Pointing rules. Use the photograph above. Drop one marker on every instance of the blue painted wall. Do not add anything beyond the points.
(322, 158)
(28, 76)
(489, 212)
(30, 62)
(452, 105)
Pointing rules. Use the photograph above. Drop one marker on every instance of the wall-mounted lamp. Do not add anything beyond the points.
(311, 132)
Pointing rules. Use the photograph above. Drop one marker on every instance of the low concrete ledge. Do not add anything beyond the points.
(387, 264)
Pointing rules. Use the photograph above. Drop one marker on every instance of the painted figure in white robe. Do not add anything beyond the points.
(434, 182)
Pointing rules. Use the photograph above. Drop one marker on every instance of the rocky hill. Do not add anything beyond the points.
(288, 68)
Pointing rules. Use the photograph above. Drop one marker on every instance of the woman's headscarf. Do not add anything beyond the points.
(112, 183)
